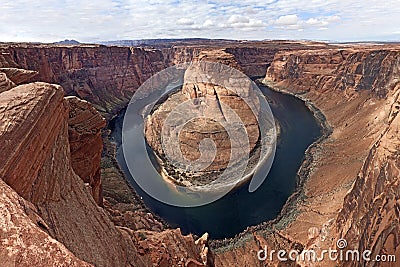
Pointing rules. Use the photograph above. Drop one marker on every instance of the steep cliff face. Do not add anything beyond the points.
(86, 144)
(254, 61)
(50, 216)
(105, 76)
(36, 163)
(352, 188)
(180, 54)
(255, 57)
(370, 218)
(374, 70)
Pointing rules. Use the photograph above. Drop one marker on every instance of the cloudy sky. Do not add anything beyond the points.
(102, 20)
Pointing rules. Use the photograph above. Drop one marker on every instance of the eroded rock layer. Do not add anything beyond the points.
(212, 104)
(107, 77)
(104, 76)
(24, 241)
(349, 180)
(50, 216)
(36, 163)
(86, 143)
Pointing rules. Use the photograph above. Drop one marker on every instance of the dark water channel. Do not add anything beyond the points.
(239, 209)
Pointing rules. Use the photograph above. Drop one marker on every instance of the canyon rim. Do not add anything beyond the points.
(65, 201)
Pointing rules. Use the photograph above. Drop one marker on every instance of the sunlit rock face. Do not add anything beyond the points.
(36, 163)
(207, 125)
(86, 144)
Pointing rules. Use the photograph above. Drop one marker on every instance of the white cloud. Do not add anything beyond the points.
(333, 19)
(208, 23)
(313, 21)
(287, 20)
(238, 19)
(242, 23)
(185, 21)
(293, 22)
(88, 20)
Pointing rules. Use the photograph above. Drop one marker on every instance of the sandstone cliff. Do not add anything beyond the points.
(86, 144)
(216, 105)
(349, 187)
(104, 76)
(370, 217)
(36, 163)
(351, 177)
(23, 239)
(50, 213)
(107, 77)
(374, 70)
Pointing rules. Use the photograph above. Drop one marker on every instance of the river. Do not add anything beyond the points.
(239, 209)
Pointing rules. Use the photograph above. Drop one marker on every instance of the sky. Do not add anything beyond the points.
(104, 20)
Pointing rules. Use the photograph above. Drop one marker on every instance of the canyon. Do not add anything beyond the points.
(65, 201)
(204, 108)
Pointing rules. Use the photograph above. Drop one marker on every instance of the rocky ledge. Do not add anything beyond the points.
(50, 204)
(207, 106)
(51, 190)
(350, 179)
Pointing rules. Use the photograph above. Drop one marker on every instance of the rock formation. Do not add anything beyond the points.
(104, 76)
(370, 218)
(5, 82)
(24, 241)
(86, 143)
(36, 163)
(10, 77)
(349, 181)
(107, 77)
(337, 69)
(19, 76)
(215, 104)
(40, 135)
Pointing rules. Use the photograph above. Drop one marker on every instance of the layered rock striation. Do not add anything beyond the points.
(349, 183)
(353, 69)
(105, 76)
(50, 186)
(86, 143)
(51, 190)
(36, 163)
(212, 104)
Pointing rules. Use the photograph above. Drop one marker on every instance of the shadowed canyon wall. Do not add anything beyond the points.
(107, 77)
(357, 89)
(50, 215)
(349, 182)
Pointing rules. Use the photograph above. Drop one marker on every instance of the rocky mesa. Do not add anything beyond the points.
(63, 205)
(204, 108)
